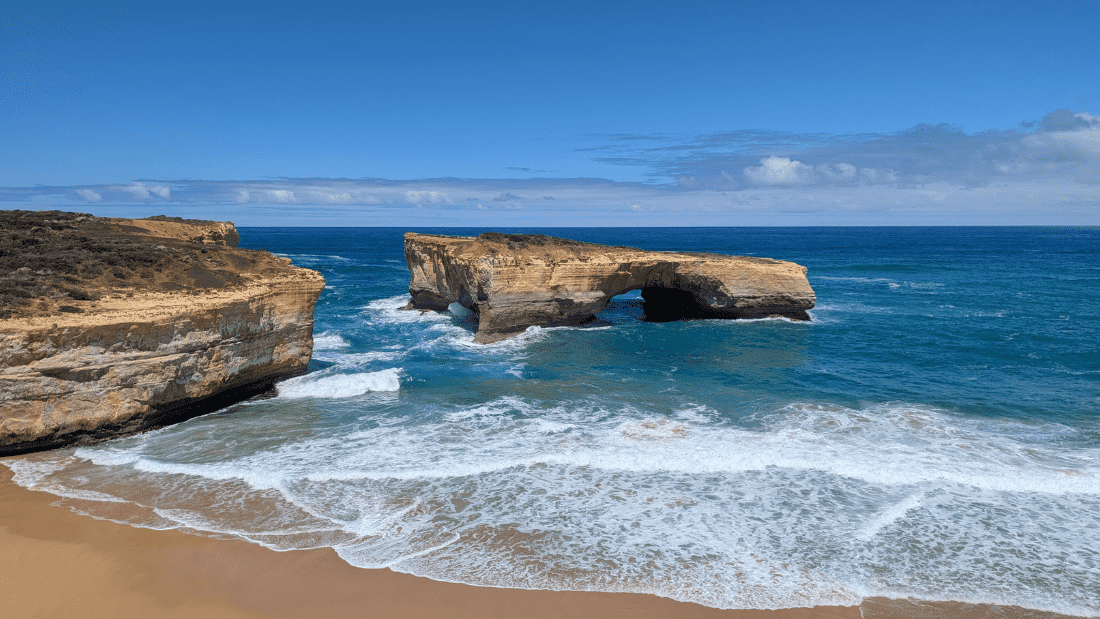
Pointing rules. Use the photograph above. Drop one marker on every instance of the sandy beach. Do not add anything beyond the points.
(57, 563)
(54, 562)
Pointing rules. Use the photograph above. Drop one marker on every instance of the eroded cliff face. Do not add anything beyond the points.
(189, 327)
(515, 281)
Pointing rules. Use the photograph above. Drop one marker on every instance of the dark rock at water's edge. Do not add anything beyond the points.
(514, 281)
(114, 326)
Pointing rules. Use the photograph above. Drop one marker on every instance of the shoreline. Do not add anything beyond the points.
(54, 561)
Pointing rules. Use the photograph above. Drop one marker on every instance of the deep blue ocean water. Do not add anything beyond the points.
(933, 432)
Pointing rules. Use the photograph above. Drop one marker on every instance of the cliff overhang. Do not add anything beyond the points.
(113, 326)
(514, 281)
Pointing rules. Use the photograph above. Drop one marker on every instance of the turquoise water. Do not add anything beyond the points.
(933, 432)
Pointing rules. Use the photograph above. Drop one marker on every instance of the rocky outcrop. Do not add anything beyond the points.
(513, 281)
(172, 322)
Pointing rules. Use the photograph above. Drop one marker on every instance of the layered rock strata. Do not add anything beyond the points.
(172, 322)
(514, 281)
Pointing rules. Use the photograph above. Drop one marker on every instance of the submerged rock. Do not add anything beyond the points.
(113, 326)
(514, 281)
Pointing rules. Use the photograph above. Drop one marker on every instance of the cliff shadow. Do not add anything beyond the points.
(670, 304)
(653, 304)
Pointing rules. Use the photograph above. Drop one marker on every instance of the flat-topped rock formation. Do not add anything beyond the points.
(514, 281)
(112, 326)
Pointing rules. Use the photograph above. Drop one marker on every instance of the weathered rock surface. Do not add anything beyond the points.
(513, 281)
(184, 328)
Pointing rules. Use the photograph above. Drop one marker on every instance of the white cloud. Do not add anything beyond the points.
(1064, 144)
(429, 197)
(841, 172)
(142, 192)
(1085, 141)
(779, 171)
(281, 196)
(334, 195)
(786, 171)
(928, 174)
(849, 196)
(89, 195)
(337, 193)
(139, 191)
(336, 198)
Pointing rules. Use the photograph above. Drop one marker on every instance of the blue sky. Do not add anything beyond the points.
(561, 113)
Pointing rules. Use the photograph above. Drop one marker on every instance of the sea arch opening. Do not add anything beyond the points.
(654, 304)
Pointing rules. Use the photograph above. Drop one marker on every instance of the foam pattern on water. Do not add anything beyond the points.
(817, 505)
(932, 434)
(339, 385)
(328, 341)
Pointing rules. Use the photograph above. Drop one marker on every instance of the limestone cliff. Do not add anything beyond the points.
(513, 281)
(112, 326)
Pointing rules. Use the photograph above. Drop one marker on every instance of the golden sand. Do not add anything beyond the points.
(55, 563)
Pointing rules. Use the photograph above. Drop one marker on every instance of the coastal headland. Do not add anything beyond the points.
(114, 326)
(515, 281)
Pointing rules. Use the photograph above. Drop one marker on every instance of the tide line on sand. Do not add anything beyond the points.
(54, 562)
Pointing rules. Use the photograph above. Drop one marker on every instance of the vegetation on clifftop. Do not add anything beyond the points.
(54, 261)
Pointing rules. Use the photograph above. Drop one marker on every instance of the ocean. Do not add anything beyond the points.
(933, 432)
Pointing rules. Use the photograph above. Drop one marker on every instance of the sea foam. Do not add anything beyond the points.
(340, 385)
(902, 450)
(605, 486)
(328, 340)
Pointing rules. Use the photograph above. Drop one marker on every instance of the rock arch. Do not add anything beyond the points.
(513, 281)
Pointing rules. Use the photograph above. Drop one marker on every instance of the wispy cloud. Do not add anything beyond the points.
(1044, 172)
(144, 192)
(785, 171)
(1063, 143)
(528, 170)
(88, 195)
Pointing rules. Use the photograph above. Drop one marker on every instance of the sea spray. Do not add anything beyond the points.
(340, 385)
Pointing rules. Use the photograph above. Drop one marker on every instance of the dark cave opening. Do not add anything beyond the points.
(669, 304)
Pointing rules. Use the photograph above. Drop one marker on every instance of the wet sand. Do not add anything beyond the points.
(55, 563)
